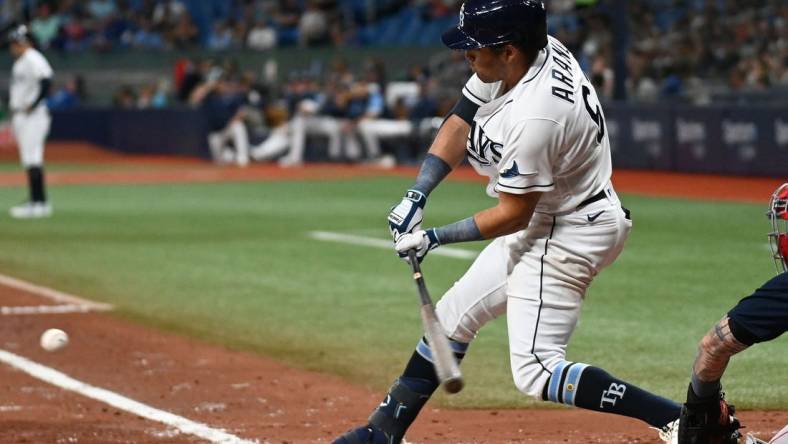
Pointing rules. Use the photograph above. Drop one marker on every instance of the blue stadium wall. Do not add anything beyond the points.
(729, 140)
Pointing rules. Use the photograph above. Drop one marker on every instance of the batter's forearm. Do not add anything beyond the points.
(509, 216)
(714, 352)
(495, 222)
(450, 142)
(465, 230)
(433, 171)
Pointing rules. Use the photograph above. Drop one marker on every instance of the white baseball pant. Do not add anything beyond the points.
(30, 131)
(538, 277)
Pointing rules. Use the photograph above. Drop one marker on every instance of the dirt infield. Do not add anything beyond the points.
(246, 395)
(157, 169)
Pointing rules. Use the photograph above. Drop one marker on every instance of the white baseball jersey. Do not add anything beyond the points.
(30, 129)
(546, 134)
(26, 75)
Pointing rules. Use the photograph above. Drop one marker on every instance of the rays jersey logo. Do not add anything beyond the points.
(481, 149)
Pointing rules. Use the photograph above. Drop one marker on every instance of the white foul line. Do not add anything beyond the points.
(49, 309)
(457, 253)
(52, 294)
(66, 382)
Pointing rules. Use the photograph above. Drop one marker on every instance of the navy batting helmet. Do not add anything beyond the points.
(494, 22)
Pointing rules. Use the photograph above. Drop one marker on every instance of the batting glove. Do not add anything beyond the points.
(406, 217)
(420, 240)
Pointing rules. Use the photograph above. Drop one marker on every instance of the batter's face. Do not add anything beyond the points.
(486, 63)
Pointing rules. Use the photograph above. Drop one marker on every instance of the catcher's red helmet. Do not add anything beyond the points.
(778, 215)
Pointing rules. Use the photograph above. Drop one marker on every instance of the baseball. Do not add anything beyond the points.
(54, 339)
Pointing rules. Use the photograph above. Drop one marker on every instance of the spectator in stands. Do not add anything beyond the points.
(287, 18)
(144, 36)
(262, 36)
(10, 11)
(45, 26)
(70, 95)
(167, 13)
(222, 100)
(125, 98)
(221, 37)
(102, 9)
(184, 35)
(313, 25)
(153, 95)
(189, 74)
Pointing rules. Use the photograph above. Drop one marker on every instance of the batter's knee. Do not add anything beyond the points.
(531, 374)
(461, 321)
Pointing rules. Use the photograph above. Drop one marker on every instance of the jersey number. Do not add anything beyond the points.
(595, 113)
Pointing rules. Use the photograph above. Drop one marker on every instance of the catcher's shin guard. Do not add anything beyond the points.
(708, 421)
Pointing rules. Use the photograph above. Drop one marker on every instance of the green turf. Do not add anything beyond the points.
(232, 263)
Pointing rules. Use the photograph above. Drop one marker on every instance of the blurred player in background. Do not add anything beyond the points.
(224, 103)
(706, 418)
(31, 79)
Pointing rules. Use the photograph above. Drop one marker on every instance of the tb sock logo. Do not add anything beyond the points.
(612, 394)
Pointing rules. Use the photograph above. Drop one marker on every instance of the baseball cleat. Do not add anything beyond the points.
(669, 434)
(365, 435)
(31, 210)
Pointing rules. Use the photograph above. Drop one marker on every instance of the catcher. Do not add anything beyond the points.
(706, 418)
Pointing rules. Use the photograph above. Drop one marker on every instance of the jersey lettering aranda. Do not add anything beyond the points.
(546, 134)
(26, 75)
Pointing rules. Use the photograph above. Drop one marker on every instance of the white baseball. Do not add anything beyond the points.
(54, 339)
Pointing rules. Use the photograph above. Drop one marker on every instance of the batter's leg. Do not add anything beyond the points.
(546, 290)
(477, 298)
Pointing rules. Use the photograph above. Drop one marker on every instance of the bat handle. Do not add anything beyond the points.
(414, 261)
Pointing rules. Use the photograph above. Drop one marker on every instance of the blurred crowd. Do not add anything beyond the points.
(77, 25)
(685, 49)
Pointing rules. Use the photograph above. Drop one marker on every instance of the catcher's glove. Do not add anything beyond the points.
(708, 421)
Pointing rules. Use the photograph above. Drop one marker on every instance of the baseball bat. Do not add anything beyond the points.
(442, 356)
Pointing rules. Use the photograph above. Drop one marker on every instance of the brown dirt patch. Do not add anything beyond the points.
(244, 394)
(173, 169)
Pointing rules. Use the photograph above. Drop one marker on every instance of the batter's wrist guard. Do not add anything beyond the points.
(398, 411)
(417, 197)
(708, 420)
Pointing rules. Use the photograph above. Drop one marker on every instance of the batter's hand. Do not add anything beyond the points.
(420, 240)
(406, 217)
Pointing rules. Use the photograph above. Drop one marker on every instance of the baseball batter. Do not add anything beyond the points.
(530, 121)
(763, 316)
(31, 78)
